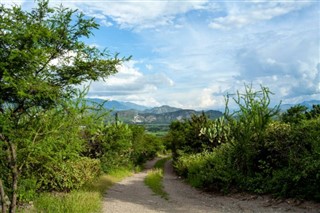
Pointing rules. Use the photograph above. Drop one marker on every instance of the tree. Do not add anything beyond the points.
(314, 112)
(42, 58)
(295, 114)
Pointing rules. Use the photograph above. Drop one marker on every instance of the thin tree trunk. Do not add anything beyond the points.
(2, 194)
(14, 170)
(2, 197)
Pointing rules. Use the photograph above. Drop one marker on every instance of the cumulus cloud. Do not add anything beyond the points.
(248, 13)
(190, 65)
(137, 14)
(131, 84)
(289, 68)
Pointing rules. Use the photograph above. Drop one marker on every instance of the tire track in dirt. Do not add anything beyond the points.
(132, 195)
(198, 201)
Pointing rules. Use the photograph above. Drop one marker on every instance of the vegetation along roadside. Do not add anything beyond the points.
(52, 141)
(56, 144)
(255, 148)
(86, 199)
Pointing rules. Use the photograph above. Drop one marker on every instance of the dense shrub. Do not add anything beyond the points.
(116, 146)
(300, 177)
(259, 154)
(176, 137)
(185, 136)
(294, 114)
(298, 113)
(68, 175)
(210, 170)
(120, 145)
(49, 149)
(286, 164)
(145, 146)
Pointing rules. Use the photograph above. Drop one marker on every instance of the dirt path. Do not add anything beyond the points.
(131, 195)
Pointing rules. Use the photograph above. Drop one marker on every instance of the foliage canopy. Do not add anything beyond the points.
(42, 58)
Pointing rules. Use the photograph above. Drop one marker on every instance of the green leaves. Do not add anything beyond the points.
(42, 58)
(44, 47)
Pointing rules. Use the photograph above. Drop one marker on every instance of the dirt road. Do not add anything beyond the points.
(132, 195)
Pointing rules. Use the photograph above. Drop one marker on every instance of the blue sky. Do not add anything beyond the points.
(190, 54)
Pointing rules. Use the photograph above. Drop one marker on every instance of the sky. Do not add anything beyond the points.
(190, 54)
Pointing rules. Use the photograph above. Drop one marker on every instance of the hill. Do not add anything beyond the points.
(150, 117)
(147, 117)
(118, 105)
(162, 109)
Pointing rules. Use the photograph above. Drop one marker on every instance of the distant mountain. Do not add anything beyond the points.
(308, 104)
(133, 113)
(131, 116)
(162, 109)
(118, 105)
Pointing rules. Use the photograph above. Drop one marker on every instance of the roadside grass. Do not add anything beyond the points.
(87, 199)
(106, 181)
(154, 179)
(76, 201)
(160, 163)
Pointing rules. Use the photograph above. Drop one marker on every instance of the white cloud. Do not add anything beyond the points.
(274, 43)
(137, 14)
(106, 23)
(240, 16)
(131, 84)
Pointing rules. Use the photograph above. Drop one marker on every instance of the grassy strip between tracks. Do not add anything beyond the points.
(154, 179)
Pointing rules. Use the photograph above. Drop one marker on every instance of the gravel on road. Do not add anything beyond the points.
(132, 196)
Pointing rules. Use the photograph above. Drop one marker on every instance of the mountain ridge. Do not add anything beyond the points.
(162, 109)
(138, 114)
(136, 117)
(118, 105)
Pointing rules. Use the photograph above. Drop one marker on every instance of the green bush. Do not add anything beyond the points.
(259, 154)
(68, 175)
(295, 114)
(28, 189)
(48, 148)
(145, 146)
(210, 170)
(300, 177)
(274, 148)
(111, 143)
(152, 145)
(186, 136)
(116, 143)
